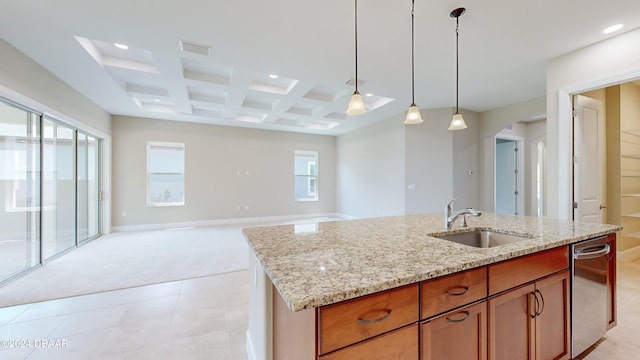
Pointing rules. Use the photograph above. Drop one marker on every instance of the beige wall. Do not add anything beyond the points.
(371, 170)
(630, 120)
(389, 168)
(612, 100)
(492, 122)
(226, 168)
(26, 82)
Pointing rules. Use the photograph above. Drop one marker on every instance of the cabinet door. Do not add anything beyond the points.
(401, 344)
(552, 321)
(612, 308)
(460, 335)
(511, 324)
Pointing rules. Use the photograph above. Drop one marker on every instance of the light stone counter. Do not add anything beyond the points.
(312, 265)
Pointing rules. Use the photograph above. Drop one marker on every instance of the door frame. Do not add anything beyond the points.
(521, 169)
(565, 136)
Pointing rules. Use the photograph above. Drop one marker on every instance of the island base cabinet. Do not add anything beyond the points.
(553, 333)
(460, 335)
(401, 344)
(531, 321)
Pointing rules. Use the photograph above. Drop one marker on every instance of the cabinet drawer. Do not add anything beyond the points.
(355, 320)
(511, 273)
(401, 344)
(449, 292)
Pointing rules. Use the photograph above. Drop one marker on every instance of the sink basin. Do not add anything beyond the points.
(482, 238)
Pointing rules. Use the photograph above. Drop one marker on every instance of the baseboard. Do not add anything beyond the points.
(629, 254)
(252, 220)
(251, 353)
(346, 216)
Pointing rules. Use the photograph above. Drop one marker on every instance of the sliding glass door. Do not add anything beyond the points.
(88, 187)
(19, 190)
(44, 159)
(59, 188)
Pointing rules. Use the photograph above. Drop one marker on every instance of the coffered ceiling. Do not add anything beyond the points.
(289, 65)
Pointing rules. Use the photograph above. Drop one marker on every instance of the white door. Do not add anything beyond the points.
(589, 160)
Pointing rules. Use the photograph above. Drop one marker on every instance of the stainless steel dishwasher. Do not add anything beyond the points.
(589, 271)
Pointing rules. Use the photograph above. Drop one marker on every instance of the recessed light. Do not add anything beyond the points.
(368, 94)
(612, 28)
(121, 46)
(156, 100)
(273, 76)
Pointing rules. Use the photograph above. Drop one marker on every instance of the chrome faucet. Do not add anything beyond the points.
(450, 218)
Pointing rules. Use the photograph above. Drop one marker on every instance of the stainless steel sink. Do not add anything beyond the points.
(482, 238)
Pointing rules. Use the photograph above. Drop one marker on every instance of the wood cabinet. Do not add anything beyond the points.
(612, 308)
(514, 309)
(452, 291)
(401, 344)
(460, 334)
(348, 322)
(531, 321)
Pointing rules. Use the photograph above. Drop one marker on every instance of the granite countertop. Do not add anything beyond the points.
(317, 264)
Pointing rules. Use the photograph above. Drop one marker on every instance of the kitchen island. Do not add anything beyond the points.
(308, 277)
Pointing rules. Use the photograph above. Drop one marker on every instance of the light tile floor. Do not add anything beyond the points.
(204, 318)
(200, 318)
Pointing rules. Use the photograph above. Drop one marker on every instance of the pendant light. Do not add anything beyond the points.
(457, 122)
(413, 114)
(356, 105)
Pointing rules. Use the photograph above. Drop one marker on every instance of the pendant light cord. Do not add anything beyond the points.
(356, 42)
(457, 66)
(413, 77)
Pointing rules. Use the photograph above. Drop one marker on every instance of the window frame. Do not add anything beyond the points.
(311, 178)
(180, 146)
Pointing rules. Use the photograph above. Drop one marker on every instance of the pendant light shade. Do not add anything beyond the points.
(413, 114)
(457, 122)
(356, 105)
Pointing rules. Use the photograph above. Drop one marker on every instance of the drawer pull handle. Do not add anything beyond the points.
(373, 321)
(466, 316)
(464, 290)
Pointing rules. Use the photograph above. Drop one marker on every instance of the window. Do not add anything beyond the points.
(306, 175)
(165, 174)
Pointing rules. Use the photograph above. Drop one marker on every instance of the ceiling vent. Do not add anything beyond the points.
(352, 82)
(194, 48)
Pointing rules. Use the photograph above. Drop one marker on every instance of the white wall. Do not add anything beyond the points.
(606, 63)
(371, 169)
(226, 168)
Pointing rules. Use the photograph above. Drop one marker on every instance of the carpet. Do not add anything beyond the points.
(123, 260)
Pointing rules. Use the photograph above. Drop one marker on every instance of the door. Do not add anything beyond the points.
(589, 160)
(508, 195)
(552, 321)
(511, 325)
(19, 190)
(460, 335)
